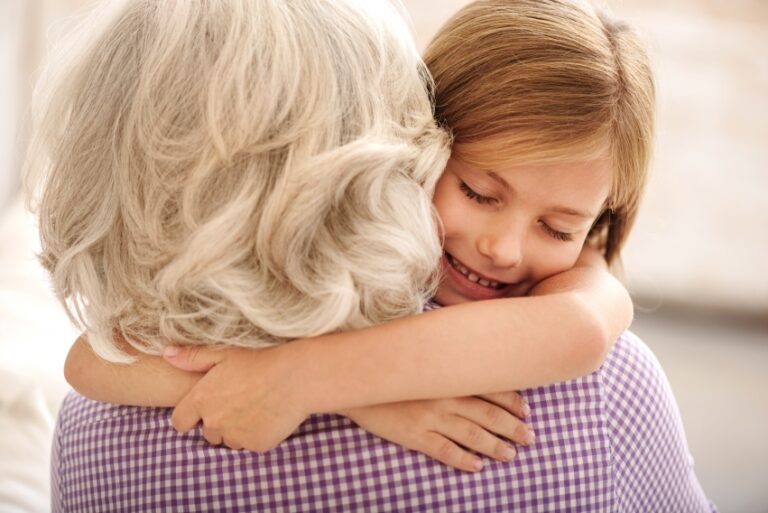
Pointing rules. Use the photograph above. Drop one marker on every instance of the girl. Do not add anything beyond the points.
(552, 136)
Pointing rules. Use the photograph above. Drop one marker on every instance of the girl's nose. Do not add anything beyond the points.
(504, 247)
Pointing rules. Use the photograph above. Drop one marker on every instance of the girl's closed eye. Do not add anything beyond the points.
(473, 195)
(557, 234)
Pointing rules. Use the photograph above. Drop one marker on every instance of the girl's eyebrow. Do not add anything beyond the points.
(561, 210)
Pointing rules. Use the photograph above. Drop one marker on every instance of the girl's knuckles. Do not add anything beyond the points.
(447, 451)
(474, 434)
(492, 414)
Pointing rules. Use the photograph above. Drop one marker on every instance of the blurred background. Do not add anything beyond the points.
(694, 264)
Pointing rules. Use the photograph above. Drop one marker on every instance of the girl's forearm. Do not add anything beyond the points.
(564, 331)
(472, 348)
(149, 381)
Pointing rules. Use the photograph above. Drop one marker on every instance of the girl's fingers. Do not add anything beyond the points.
(494, 418)
(185, 415)
(446, 451)
(232, 445)
(212, 436)
(513, 402)
(471, 435)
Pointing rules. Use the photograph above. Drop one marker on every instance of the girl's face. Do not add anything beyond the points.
(505, 229)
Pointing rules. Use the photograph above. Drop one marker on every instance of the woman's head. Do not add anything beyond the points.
(547, 84)
(237, 171)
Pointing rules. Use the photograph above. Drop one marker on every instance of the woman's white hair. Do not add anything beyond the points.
(236, 171)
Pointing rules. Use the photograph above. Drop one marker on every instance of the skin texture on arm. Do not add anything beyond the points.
(149, 381)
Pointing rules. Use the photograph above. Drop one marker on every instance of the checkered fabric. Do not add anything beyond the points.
(608, 442)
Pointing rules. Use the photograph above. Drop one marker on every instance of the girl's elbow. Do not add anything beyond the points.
(599, 346)
(597, 341)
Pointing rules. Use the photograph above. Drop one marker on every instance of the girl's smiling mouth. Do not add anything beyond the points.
(470, 283)
(474, 276)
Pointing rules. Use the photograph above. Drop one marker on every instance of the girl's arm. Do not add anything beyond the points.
(149, 381)
(563, 330)
(448, 430)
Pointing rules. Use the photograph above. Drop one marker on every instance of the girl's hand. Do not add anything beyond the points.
(449, 429)
(248, 398)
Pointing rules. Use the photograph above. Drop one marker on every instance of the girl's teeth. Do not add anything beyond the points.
(472, 276)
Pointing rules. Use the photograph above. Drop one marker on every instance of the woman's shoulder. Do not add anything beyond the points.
(631, 364)
(635, 388)
(650, 457)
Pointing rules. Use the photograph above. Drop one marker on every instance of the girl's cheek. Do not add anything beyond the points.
(455, 220)
(465, 224)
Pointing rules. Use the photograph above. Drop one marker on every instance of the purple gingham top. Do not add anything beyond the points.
(612, 441)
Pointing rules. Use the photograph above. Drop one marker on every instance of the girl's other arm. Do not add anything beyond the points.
(150, 381)
(562, 331)
(443, 429)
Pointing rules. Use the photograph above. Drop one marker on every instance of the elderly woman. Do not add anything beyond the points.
(230, 171)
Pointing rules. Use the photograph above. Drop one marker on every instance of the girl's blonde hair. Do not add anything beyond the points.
(549, 80)
(237, 171)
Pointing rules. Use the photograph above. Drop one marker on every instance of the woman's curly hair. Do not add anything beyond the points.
(236, 171)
